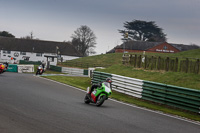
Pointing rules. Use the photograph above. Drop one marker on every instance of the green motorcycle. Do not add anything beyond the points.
(98, 95)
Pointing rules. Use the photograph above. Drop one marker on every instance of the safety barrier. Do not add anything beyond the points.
(184, 98)
(12, 68)
(180, 97)
(72, 71)
(126, 85)
(25, 68)
(55, 68)
(68, 70)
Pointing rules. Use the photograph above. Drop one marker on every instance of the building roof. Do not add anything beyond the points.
(144, 45)
(37, 46)
(183, 47)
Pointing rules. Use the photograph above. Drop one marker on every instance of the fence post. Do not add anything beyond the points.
(176, 65)
(151, 62)
(158, 65)
(130, 59)
(140, 60)
(145, 62)
(167, 64)
(135, 61)
(187, 65)
(198, 64)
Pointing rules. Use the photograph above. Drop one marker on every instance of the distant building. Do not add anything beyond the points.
(154, 47)
(36, 50)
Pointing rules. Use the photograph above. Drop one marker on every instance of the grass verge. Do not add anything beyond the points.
(84, 82)
(187, 80)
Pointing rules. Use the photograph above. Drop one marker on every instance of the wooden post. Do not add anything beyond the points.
(176, 65)
(140, 60)
(130, 56)
(159, 62)
(135, 61)
(145, 62)
(198, 65)
(167, 64)
(187, 65)
(151, 62)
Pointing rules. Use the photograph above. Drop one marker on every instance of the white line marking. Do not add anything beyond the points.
(130, 105)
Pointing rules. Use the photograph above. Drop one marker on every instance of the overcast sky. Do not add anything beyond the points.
(56, 20)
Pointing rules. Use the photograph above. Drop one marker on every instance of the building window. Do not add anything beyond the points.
(6, 52)
(165, 47)
(51, 59)
(39, 54)
(22, 53)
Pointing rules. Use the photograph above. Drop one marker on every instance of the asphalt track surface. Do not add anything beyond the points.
(30, 104)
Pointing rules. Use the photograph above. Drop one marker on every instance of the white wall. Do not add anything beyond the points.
(33, 57)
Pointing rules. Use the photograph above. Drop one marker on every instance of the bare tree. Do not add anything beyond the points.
(84, 40)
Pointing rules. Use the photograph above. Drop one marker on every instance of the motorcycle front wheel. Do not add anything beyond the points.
(100, 100)
(37, 73)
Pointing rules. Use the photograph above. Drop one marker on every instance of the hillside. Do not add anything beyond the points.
(174, 78)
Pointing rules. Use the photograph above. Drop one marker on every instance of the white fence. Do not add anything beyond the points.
(72, 71)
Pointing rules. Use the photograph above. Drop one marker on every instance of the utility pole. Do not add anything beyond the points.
(125, 39)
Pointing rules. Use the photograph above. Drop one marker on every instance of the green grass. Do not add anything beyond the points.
(84, 82)
(104, 59)
(187, 80)
(80, 82)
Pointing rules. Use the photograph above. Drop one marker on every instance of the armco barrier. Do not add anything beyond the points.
(68, 70)
(55, 68)
(126, 85)
(99, 76)
(72, 71)
(183, 98)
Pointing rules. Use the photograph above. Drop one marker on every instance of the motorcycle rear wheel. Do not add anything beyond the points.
(100, 100)
(87, 99)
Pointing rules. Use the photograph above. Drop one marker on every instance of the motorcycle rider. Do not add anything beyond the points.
(6, 65)
(1, 68)
(99, 85)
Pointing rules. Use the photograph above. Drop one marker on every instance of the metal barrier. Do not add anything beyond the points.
(126, 85)
(72, 71)
(100, 76)
(180, 97)
(68, 70)
(184, 98)
(55, 68)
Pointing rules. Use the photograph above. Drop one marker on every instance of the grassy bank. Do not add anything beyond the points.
(187, 80)
(84, 82)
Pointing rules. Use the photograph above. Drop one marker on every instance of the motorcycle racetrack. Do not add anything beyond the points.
(31, 104)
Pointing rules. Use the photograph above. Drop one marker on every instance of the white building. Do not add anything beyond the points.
(13, 50)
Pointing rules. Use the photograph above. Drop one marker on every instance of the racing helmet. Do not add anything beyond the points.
(2, 66)
(108, 80)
